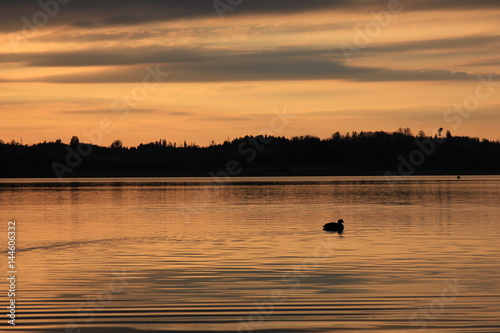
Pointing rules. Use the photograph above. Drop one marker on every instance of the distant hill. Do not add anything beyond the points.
(364, 153)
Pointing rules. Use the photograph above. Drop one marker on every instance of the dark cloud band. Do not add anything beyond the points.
(99, 13)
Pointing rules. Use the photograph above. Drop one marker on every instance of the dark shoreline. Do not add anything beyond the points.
(363, 154)
(139, 175)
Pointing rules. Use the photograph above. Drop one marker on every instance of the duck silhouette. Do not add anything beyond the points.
(334, 226)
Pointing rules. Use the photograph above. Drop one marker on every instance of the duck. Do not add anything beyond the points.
(334, 226)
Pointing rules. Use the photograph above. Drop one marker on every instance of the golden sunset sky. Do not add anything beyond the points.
(67, 66)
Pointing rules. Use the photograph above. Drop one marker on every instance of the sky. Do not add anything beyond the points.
(203, 71)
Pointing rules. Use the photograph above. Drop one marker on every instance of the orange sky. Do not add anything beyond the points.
(417, 68)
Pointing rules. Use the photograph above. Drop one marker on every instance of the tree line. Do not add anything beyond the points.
(364, 153)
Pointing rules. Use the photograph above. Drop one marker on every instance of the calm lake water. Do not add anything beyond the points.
(171, 255)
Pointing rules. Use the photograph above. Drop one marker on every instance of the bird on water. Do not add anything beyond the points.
(334, 226)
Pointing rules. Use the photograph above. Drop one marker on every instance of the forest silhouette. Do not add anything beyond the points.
(364, 153)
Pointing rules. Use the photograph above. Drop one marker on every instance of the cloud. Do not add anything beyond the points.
(488, 62)
(454, 43)
(102, 111)
(178, 113)
(96, 13)
(153, 54)
(85, 37)
(222, 65)
(221, 118)
(114, 57)
(262, 71)
(115, 63)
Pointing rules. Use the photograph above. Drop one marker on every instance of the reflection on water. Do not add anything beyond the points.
(106, 255)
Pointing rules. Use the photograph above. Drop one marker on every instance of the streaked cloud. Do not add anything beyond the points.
(96, 14)
(259, 71)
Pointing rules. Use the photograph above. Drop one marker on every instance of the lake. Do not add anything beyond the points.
(250, 255)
